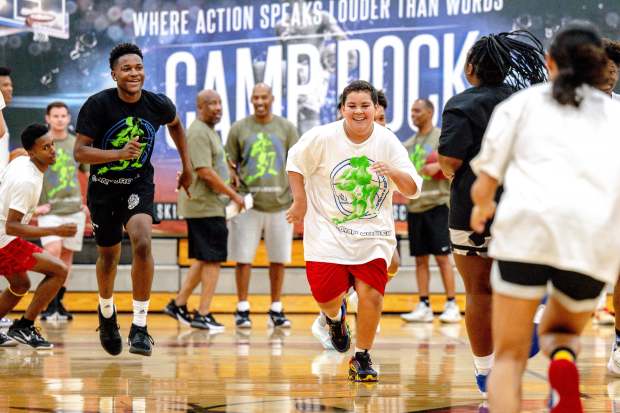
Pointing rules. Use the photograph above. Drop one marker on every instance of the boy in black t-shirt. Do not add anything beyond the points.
(115, 134)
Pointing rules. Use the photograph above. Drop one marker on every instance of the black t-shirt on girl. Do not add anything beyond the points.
(112, 122)
(464, 121)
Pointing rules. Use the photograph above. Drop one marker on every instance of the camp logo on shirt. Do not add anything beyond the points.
(358, 192)
(63, 172)
(121, 133)
(418, 156)
(263, 158)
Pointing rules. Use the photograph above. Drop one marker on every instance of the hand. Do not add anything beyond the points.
(65, 230)
(382, 168)
(234, 179)
(240, 201)
(184, 179)
(430, 169)
(131, 150)
(297, 212)
(42, 209)
(480, 214)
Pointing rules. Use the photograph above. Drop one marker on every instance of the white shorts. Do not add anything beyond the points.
(469, 243)
(244, 234)
(73, 243)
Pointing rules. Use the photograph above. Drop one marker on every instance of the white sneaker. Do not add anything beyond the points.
(603, 317)
(320, 331)
(613, 365)
(421, 314)
(5, 322)
(451, 313)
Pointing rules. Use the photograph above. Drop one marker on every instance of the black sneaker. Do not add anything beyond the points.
(206, 322)
(29, 335)
(51, 312)
(360, 368)
(179, 313)
(6, 341)
(242, 319)
(109, 336)
(63, 314)
(140, 341)
(278, 319)
(339, 331)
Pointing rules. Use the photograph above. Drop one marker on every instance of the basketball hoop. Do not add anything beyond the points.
(37, 21)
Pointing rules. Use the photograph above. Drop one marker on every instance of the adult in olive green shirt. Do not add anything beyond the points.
(257, 147)
(427, 217)
(61, 202)
(205, 213)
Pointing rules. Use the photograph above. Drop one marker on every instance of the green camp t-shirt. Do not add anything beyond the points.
(434, 192)
(260, 151)
(61, 188)
(205, 151)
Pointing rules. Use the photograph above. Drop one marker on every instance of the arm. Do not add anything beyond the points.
(178, 136)
(483, 194)
(16, 228)
(215, 182)
(84, 152)
(297, 211)
(404, 181)
(449, 165)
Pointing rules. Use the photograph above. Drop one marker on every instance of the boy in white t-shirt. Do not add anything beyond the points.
(342, 176)
(20, 188)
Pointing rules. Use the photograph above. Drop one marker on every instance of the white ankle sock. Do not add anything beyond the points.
(360, 350)
(338, 317)
(276, 306)
(140, 310)
(243, 306)
(107, 306)
(484, 364)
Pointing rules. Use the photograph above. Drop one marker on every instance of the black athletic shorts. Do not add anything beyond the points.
(112, 205)
(577, 292)
(208, 238)
(428, 232)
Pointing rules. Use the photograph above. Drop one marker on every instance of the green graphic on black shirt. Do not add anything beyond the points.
(132, 130)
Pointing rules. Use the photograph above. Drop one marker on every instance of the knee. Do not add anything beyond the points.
(421, 261)
(141, 247)
(20, 285)
(109, 260)
(371, 296)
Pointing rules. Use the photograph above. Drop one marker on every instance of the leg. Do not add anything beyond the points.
(331, 308)
(210, 274)
(142, 267)
(66, 255)
(242, 278)
(194, 276)
(447, 274)
(55, 274)
(107, 263)
(394, 264)
(512, 329)
(20, 284)
(422, 275)
(561, 328)
(276, 278)
(476, 271)
(369, 311)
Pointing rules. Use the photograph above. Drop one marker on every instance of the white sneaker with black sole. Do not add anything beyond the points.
(206, 322)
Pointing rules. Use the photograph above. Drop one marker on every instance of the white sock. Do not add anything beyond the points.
(107, 306)
(276, 306)
(140, 310)
(360, 350)
(243, 306)
(484, 364)
(338, 317)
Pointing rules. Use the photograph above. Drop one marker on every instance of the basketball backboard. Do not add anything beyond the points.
(47, 17)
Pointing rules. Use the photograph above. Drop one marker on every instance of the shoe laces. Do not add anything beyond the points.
(363, 358)
(36, 333)
(144, 332)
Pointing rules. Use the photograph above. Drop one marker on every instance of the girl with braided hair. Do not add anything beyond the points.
(553, 147)
(497, 65)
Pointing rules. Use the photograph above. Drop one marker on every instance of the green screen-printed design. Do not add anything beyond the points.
(418, 158)
(264, 154)
(358, 192)
(120, 134)
(64, 169)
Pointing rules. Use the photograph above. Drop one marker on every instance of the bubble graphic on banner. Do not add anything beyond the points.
(101, 23)
(15, 42)
(523, 22)
(34, 49)
(115, 33)
(71, 7)
(127, 15)
(612, 19)
(83, 44)
(114, 13)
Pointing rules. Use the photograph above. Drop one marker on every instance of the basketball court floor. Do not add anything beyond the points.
(423, 368)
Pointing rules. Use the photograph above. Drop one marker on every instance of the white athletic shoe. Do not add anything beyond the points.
(422, 314)
(613, 365)
(5, 322)
(320, 331)
(451, 313)
(603, 317)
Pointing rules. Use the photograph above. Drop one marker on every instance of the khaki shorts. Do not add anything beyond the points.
(73, 243)
(245, 231)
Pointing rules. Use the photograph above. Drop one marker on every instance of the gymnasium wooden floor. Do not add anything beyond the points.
(424, 368)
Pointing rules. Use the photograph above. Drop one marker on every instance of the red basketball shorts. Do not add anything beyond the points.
(16, 257)
(328, 280)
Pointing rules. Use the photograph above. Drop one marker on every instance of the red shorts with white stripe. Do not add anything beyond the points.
(328, 280)
(16, 257)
